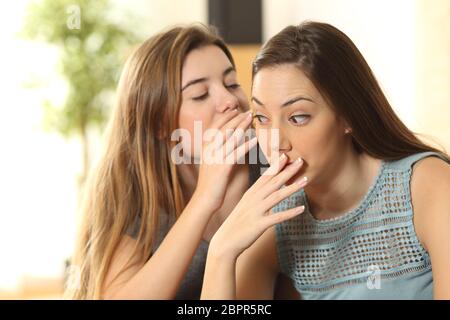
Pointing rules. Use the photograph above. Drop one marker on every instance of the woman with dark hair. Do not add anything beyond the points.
(376, 223)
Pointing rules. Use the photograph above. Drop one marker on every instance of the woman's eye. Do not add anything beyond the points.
(202, 97)
(233, 86)
(299, 119)
(261, 118)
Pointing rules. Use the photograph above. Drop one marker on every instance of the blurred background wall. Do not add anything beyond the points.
(432, 70)
(406, 42)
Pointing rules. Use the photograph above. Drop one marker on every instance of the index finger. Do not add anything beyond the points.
(219, 123)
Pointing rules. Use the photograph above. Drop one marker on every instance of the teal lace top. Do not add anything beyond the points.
(371, 252)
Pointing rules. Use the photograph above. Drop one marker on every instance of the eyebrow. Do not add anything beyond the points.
(199, 80)
(287, 103)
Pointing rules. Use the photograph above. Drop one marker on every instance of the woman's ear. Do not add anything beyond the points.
(346, 128)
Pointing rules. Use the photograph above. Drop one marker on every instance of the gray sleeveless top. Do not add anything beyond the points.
(191, 286)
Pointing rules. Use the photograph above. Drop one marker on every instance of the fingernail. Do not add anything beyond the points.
(299, 160)
(303, 181)
(283, 156)
(301, 209)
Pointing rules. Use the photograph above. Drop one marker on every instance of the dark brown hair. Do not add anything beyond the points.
(339, 71)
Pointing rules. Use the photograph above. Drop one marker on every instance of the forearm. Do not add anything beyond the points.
(162, 274)
(219, 282)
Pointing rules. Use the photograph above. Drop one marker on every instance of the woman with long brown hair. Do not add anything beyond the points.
(174, 166)
(376, 223)
(138, 192)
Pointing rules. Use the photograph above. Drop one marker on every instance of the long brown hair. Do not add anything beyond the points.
(135, 178)
(337, 68)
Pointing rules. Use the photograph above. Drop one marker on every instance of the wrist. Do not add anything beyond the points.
(201, 200)
(218, 251)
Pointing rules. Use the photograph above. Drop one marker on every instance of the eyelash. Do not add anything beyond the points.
(306, 116)
(204, 96)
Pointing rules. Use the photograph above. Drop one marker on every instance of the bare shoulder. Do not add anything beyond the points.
(430, 189)
(431, 168)
(430, 177)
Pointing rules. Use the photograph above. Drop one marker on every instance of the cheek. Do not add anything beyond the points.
(265, 137)
(186, 122)
(190, 116)
(195, 120)
(319, 145)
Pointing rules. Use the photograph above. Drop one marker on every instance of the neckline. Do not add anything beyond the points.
(349, 214)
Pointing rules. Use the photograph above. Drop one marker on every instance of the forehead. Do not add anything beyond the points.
(204, 61)
(275, 84)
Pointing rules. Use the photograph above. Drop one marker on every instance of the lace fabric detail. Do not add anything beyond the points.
(323, 255)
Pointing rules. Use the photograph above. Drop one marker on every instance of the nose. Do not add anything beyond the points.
(226, 102)
(278, 141)
(283, 145)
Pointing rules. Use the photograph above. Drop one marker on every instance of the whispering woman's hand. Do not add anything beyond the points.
(252, 216)
(223, 148)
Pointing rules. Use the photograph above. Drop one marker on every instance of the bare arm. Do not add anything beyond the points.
(161, 275)
(251, 276)
(257, 273)
(430, 192)
(238, 238)
(257, 269)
